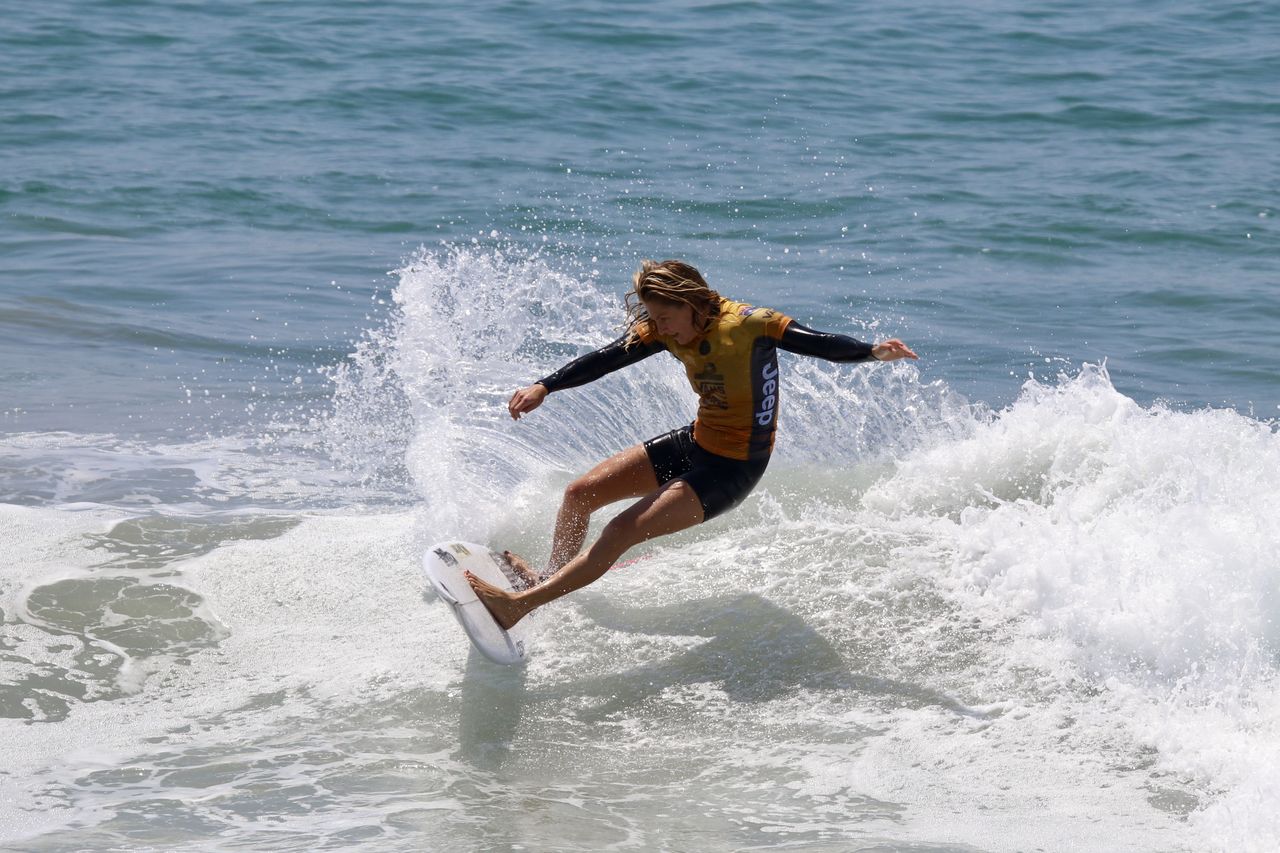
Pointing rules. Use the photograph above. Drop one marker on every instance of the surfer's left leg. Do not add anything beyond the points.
(626, 474)
(674, 507)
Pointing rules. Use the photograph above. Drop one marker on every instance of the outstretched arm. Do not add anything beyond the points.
(805, 341)
(580, 371)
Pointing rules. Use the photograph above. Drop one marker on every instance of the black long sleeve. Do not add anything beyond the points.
(593, 365)
(805, 341)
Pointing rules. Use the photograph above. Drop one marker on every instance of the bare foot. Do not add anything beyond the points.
(502, 605)
(520, 566)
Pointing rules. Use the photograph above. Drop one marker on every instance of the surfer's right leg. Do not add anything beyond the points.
(633, 473)
(627, 474)
(673, 507)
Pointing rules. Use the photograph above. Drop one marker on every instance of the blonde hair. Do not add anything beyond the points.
(668, 281)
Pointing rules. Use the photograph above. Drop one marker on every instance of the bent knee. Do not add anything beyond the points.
(640, 522)
(584, 494)
(621, 532)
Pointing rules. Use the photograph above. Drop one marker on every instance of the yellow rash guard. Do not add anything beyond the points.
(734, 370)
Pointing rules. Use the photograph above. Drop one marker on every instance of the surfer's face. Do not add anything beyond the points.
(672, 319)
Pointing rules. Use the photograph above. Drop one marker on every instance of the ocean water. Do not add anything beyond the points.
(271, 270)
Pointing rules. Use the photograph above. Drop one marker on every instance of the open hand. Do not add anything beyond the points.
(892, 350)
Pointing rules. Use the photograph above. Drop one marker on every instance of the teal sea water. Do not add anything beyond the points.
(271, 270)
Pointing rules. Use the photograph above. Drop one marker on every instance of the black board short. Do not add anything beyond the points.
(719, 482)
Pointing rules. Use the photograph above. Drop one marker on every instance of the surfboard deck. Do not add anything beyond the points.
(444, 564)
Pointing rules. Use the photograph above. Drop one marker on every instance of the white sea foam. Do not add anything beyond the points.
(329, 611)
(932, 623)
(1122, 552)
(1132, 551)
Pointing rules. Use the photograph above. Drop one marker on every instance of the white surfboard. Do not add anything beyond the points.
(444, 564)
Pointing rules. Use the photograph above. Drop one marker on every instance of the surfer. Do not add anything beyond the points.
(695, 472)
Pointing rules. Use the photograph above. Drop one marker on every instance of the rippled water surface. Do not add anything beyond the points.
(270, 271)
